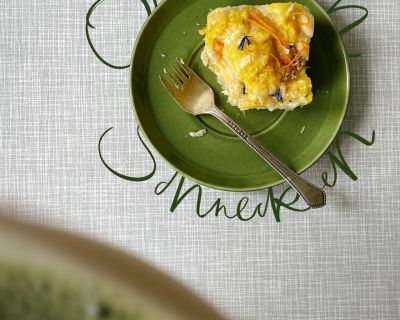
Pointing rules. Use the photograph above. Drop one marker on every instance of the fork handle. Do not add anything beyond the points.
(313, 196)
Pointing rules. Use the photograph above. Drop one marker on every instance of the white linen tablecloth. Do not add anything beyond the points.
(57, 98)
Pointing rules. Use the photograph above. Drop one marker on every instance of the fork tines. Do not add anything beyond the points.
(179, 75)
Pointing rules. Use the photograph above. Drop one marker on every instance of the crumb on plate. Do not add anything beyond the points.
(198, 134)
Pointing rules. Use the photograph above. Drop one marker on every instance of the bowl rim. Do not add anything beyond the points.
(93, 258)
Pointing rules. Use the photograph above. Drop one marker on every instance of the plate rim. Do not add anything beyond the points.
(266, 185)
(109, 265)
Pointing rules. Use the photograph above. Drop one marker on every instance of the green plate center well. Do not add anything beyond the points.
(219, 159)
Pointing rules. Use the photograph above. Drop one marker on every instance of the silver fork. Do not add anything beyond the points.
(195, 96)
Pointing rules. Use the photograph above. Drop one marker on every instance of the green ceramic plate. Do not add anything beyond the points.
(219, 159)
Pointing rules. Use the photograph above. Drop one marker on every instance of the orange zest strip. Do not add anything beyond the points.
(275, 58)
(258, 19)
(290, 63)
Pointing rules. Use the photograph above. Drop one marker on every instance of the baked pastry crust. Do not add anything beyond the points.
(259, 54)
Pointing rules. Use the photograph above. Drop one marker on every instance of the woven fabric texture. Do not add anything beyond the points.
(340, 262)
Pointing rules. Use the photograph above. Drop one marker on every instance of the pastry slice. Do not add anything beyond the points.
(259, 54)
